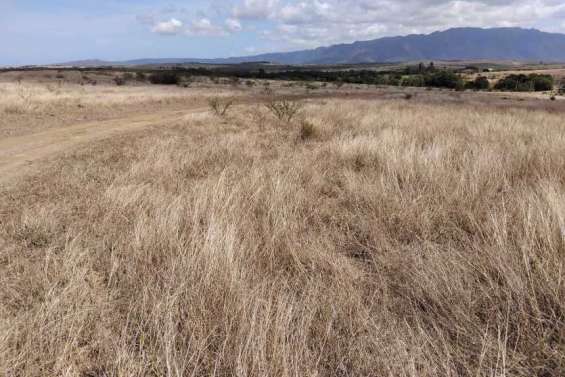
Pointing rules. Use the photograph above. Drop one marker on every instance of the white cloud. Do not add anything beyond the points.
(233, 25)
(170, 27)
(205, 27)
(309, 23)
(288, 24)
(255, 9)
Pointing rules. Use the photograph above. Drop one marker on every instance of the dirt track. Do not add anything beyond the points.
(19, 155)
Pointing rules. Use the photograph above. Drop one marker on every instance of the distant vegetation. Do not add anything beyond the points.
(410, 77)
(165, 78)
(419, 75)
(526, 83)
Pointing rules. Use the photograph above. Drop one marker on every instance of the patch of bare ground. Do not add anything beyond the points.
(364, 238)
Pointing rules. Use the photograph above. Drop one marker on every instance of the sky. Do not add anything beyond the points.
(53, 31)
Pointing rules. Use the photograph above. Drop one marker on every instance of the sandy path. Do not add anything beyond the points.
(19, 155)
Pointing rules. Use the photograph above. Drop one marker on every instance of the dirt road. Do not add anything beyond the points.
(20, 155)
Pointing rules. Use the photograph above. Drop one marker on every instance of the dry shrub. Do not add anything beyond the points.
(307, 130)
(410, 240)
(220, 106)
(31, 107)
(284, 109)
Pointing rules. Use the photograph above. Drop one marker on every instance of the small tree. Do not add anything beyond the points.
(480, 83)
(542, 83)
(444, 79)
(523, 83)
(284, 110)
(220, 106)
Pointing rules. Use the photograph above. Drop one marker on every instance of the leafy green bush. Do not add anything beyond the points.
(542, 83)
(444, 79)
(515, 83)
(479, 83)
(413, 80)
(523, 83)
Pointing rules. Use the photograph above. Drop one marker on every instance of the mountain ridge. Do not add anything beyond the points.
(465, 43)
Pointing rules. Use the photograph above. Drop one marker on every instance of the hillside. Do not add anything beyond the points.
(453, 44)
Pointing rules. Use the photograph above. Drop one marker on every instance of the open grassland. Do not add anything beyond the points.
(363, 238)
(29, 107)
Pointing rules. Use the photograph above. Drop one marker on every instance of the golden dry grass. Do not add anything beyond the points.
(369, 238)
(29, 107)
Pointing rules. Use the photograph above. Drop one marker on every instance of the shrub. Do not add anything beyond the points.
(284, 110)
(413, 80)
(307, 130)
(119, 81)
(542, 83)
(140, 76)
(514, 83)
(165, 78)
(523, 83)
(480, 83)
(220, 106)
(444, 79)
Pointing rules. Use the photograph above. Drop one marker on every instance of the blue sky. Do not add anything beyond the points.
(47, 31)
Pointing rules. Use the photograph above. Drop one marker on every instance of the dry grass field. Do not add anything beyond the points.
(364, 237)
(28, 107)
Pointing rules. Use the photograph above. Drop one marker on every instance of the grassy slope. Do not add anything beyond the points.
(400, 239)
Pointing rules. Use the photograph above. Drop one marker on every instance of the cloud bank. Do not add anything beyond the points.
(309, 23)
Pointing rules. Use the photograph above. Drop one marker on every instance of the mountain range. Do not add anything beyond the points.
(515, 44)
